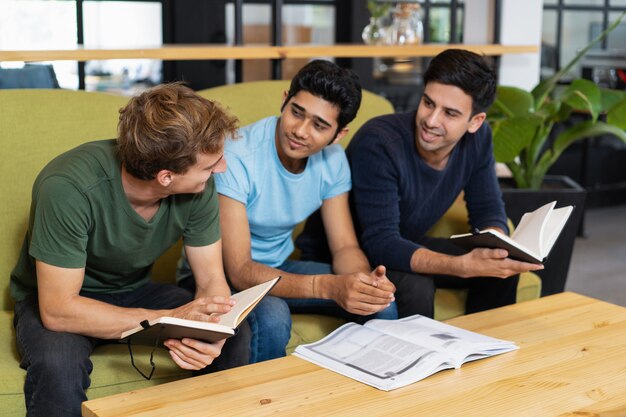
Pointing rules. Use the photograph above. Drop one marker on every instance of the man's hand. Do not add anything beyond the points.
(193, 354)
(204, 308)
(481, 262)
(360, 293)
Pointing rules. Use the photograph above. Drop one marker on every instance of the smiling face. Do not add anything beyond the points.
(195, 178)
(443, 116)
(307, 124)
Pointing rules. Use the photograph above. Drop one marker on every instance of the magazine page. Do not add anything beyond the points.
(372, 357)
(530, 230)
(458, 344)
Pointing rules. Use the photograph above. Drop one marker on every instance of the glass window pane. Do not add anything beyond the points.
(459, 26)
(302, 24)
(578, 29)
(41, 25)
(550, 2)
(439, 28)
(548, 44)
(617, 38)
(584, 2)
(618, 3)
(122, 24)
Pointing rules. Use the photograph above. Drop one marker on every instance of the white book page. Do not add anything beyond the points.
(553, 227)
(246, 300)
(530, 230)
(455, 343)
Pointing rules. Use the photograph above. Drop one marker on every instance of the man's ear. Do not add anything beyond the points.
(476, 121)
(284, 100)
(343, 132)
(164, 177)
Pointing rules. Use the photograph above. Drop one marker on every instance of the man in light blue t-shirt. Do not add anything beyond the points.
(281, 170)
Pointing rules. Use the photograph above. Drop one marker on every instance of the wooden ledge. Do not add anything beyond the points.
(220, 52)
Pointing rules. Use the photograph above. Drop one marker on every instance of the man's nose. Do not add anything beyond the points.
(434, 118)
(220, 167)
(302, 129)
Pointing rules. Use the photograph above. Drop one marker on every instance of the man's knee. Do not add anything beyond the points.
(415, 294)
(67, 358)
(270, 324)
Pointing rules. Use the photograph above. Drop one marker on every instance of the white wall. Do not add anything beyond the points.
(521, 25)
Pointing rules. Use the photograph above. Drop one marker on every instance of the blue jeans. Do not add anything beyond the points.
(58, 366)
(270, 321)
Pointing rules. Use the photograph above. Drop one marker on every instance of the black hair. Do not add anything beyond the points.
(328, 81)
(467, 71)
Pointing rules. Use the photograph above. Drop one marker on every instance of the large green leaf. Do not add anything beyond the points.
(617, 115)
(514, 101)
(584, 95)
(512, 135)
(611, 97)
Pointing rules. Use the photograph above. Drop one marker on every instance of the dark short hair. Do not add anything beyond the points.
(327, 80)
(467, 71)
(166, 127)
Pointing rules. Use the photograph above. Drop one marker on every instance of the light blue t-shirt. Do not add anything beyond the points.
(277, 200)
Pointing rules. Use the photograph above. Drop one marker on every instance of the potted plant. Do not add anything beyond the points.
(522, 123)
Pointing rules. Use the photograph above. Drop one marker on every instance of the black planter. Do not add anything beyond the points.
(565, 192)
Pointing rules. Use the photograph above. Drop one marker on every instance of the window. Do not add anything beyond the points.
(569, 25)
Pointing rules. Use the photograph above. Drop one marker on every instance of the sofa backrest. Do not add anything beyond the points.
(255, 100)
(35, 126)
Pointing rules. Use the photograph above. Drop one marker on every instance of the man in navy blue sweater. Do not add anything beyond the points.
(408, 169)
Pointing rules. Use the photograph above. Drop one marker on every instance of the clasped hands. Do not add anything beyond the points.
(363, 294)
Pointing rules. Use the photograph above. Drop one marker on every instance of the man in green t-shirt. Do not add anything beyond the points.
(101, 214)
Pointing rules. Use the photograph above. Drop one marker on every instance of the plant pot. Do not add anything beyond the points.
(565, 192)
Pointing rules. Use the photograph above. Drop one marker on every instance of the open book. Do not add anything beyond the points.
(165, 328)
(389, 354)
(532, 240)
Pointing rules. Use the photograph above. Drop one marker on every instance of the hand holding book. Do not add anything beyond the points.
(532, 240)
(165, 328)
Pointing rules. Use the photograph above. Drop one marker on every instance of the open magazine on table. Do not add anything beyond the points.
(389, 354)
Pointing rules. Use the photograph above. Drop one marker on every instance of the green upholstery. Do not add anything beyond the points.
(37, 125)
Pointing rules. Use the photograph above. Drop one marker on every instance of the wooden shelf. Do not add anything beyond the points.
(213, 51)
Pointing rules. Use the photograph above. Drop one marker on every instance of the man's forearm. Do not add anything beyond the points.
(426, 261)
(88, 317)
(217, 286)
(350, 259)
(291, 285)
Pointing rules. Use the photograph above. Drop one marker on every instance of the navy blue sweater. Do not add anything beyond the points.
(398, 197)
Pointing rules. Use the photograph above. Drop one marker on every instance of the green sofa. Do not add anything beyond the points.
(36, 125)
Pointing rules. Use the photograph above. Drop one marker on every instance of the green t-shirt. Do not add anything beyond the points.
(80, 217)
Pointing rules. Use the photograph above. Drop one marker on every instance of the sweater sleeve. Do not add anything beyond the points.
(482, 192)
(376, 194)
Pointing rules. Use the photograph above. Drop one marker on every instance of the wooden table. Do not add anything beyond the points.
(571, 362)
